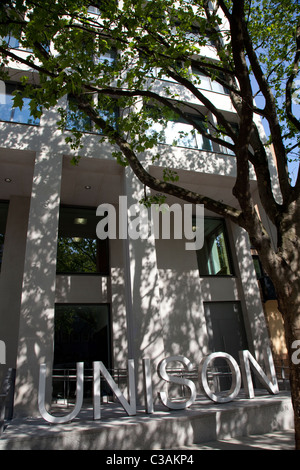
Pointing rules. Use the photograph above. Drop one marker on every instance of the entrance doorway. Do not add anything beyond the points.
(226, 333)
(82, 334)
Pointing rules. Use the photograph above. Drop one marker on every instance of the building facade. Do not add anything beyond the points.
(69, 297)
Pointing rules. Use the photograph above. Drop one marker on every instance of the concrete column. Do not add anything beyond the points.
(144, 324)
(12, 277)
(36, 329)
(254, 317)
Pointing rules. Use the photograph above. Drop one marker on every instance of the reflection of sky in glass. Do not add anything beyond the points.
(11, 114)
(179, 133)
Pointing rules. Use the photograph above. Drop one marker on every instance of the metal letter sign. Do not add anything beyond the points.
(236, 377)
(247, 361)
(177, 380)
(129, 408)
(269, 380)
(79, 397)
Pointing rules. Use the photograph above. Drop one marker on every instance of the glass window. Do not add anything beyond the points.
(228, 139)
(82, 334)
(181, 133)
(11, 41)
(76, 119)
(8, 112)
(79, 121)
(79, 251)
(94, 10)
(106, 58)
(207, 83)
(3, 219)
(214, 258)
(14, 43)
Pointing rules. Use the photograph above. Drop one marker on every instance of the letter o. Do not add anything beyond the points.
(236, 377)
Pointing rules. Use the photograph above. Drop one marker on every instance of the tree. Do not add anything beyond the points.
(115, 59)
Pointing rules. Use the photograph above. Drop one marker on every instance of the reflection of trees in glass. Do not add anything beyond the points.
(81, 334)
(76, 255)
(64, 322)
(222, 252)
(78, 248)
(213, 258)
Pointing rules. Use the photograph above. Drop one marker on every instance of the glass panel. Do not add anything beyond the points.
(11, 41)
(82, 334)
(257, 267)
(107, 58)
(205, 81)
(213, 258)
(228, 139)
(79, 251)
(8, 112)
(181, 133)
(217, 87)
(76, 119)
(202, 142)
(94, 10)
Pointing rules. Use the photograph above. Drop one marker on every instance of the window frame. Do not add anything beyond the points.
(92, 127)
(202, 142)
(207, 256)
(102, 246)
(13, 111)
(59, 305)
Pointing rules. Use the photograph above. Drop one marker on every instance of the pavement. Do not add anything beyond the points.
(278, 440)
(262, 423)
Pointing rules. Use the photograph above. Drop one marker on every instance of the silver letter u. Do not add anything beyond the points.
(79, 397)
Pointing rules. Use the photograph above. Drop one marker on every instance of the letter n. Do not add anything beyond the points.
(130, 408)
(269, 381)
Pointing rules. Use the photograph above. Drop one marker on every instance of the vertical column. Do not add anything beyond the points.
(12, 276)
(255, 322)
(36, 330)
(144, 323)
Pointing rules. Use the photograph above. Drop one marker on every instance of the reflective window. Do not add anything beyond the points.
(228, 139)
(214, 258)
(82, 334)
(8, 112)
(94, 10)
(12, 42)
(79, 121)
(206, 83)
(107, 58)
(181, 133)
(79, 251)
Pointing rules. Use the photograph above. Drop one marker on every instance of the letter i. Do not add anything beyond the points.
(148, 386)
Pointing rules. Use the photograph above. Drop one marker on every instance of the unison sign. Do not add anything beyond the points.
(247, 364)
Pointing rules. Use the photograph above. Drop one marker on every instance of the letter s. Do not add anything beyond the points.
(178, 380)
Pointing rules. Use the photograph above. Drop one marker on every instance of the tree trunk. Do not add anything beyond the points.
(289, 305)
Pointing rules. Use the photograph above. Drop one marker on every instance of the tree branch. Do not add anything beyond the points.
(156, 183)
(289, 84)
